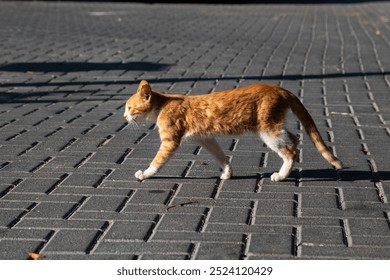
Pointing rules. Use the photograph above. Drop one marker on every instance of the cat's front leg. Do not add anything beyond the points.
(149, 172)
(167, 148)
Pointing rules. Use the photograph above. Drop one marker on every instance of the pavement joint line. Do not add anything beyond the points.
(252, 214)
(340, 198)
(247, 238)
(381, 193)
(346, 232)
(297, 233)
(99, 235)
(22, 215)
(152, 230)
(125, 202)
(74, 209)
(57, 183)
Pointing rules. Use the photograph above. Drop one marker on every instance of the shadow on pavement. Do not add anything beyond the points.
(308, 175)
(72, 67)
(67, 67)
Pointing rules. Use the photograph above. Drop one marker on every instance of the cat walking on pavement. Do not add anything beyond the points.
(257, 108)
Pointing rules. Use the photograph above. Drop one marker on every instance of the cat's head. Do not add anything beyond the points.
(140, 104)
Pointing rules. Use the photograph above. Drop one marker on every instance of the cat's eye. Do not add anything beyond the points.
(134, 111)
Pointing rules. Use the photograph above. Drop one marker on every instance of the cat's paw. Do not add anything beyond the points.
(140, 175)
(225, 176)
(227, 173)
(275, 177)
(149, 172)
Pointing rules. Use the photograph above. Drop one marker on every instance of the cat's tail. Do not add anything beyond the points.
(311, 129)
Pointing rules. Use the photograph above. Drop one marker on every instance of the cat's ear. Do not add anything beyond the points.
(141, 84)
(144, 90)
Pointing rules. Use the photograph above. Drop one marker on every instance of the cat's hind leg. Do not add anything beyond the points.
(212, 146)
(284, 144)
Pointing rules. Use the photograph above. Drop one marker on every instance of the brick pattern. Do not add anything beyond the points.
(67, 157)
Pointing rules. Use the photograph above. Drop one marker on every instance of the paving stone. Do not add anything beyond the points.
(164, 257)
(279, 208)
(25, 234)
(260, 228)
(316, 235)
(361, 195)
(198, 237)
(201, 190)
(60, 224)
(136, 231)
(151, 196)
(219, 251)
(83, 179)
(180, 222)
(319, 200)
(371, 241)
(36, 185)
(138, 248)
(17, 249)
(341, 252)
(52, 210)
(7, 217)
(230, 215)
(71, 241)
(374, 227)
(271, 244)
(103, 203)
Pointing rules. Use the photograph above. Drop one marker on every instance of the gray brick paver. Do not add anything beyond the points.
(67, 156)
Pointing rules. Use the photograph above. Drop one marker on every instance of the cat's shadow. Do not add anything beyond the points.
(304, 175)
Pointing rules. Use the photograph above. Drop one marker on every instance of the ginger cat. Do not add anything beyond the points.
(256, 108)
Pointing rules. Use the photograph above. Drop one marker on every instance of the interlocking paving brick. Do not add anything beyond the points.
(35, 185)
(374, 227)
(180, 222)
(271, 244)
(136, 231)
(68, 158)
(139, 248)
(279, 208)
(103, 203)
(17, 249)
(230, 215)
(7, 217)
(322, 235)
(76, 241)
(52, 210)
(220, 251)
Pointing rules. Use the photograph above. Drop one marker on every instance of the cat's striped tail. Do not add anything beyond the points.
(311, 129)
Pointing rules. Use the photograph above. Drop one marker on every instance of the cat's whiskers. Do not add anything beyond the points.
(134, 124)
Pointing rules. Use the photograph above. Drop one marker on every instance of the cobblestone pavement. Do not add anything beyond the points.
(68, 158)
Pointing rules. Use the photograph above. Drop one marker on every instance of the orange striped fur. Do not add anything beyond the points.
(256, 108)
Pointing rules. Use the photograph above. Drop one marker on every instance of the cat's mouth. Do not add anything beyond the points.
(130, 118)
(133, 117)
